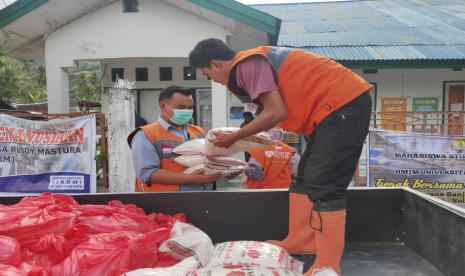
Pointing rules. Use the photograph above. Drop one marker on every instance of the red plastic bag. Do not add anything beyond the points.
(46, 199)
(53, 248)
(115, 216)
(29, 270)
(162, 220)
(113, 253)
(8, 270)
(10, 251)
(32, 217)
(29, 227)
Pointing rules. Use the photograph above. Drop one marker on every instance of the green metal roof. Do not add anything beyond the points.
(18, 9)
(373, 32)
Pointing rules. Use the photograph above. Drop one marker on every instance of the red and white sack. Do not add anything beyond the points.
(239, 270)
(223, 164)
(191, 147)
(261, 139)
(255, 254)
(188, 241)
(183, 268)
(194, 169)
(219, 164)
(189, 160)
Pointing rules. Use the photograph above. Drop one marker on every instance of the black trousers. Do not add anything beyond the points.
(332, 154)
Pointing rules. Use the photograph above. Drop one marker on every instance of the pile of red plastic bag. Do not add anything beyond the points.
(54, 235)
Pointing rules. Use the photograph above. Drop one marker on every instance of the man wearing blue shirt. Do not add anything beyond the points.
(152, 146)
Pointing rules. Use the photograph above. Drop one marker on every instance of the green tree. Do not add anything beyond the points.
(86, 86)
(84, 82)
(19, 81)
(25, 81)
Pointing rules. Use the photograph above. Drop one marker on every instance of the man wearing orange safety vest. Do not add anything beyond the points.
(272, 167)
(152, 146)
(308, 94)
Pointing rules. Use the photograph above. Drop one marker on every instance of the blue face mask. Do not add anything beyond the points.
(182, 116)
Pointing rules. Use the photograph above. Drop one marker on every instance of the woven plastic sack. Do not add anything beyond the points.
(188, 241)
(261, 139)
(223, 164)
(183, 268)
(253, 253)
(193, 169)
(189, 160)
(191, 147)
(240, 270)
(213, 170)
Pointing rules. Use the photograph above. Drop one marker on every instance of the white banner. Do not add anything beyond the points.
(430, 163)
(54, 156)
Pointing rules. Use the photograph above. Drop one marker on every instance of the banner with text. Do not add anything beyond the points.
(430, 163)
(54, 156)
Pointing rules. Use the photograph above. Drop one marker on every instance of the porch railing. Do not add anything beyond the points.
(442, 123)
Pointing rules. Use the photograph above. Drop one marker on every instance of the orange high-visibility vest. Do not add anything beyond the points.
(165, 142)
(276, 163)
(311, 86)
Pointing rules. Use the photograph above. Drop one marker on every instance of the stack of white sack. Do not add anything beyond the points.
(201, 154)
(198, 257)
(211, 164)
(249, 143)
(250, 258)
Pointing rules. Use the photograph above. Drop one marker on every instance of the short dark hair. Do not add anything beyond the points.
(247, 114)
(209, 49)
(168, 92)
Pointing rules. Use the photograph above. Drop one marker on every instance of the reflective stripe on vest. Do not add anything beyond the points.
(311, 86)
(164, 142)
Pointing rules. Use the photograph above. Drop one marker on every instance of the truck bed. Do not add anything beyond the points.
(381, 259)
(388, 231)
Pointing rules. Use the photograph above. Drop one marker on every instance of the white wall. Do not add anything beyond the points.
(157, 30)
(153, 65)
(411, 82)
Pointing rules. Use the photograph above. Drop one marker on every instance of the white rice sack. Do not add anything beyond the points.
(191, 147)
(233, 270)
(194, 169)
(253, 253)
(223, 164)
(183, 268)
(225, 161)
(188, 241)
(261, 139)
(233, 170)
(189, 160)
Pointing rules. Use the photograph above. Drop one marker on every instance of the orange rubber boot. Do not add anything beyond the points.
(329, 241)
(301, 237)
